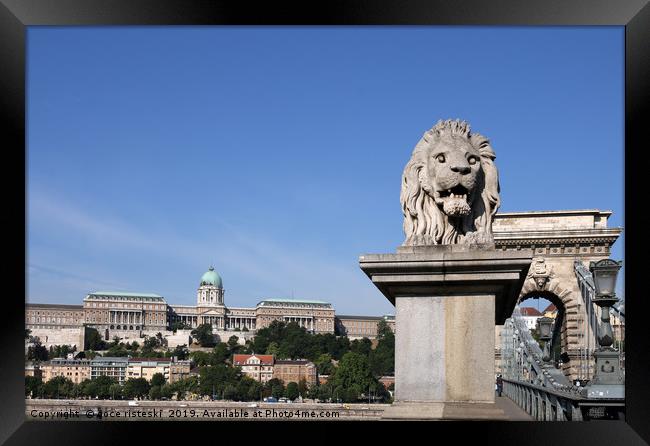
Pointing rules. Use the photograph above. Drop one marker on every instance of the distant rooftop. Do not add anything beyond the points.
(110, 359)
(293, 301)
(60, 306)
(555, 212)
(150, 359)
(240, 359)
(529, 311)
(551, 307)
(369, 318)
(293, 361)
(125, 295)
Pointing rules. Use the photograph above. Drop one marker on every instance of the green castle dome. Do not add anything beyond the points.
(211, 278)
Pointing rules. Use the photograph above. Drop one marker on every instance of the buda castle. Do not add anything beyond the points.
(135, 315)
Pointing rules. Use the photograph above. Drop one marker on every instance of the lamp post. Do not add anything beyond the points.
(607, 381)
(544, 325)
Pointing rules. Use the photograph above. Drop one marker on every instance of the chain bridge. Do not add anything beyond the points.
(557, 387)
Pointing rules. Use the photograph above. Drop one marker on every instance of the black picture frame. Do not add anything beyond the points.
(16, 15)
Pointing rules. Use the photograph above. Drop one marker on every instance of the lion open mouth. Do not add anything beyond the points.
(454, 201)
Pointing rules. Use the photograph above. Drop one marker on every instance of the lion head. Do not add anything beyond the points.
(450, 187)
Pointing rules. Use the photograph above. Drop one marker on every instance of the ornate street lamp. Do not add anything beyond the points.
(604, 273)
(544, 326)
(608, 380)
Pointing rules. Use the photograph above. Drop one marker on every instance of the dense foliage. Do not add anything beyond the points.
(353, 368)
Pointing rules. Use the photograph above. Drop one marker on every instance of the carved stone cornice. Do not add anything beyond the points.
(568, 236)
(573, 242)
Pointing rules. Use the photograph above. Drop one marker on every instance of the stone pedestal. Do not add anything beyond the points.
(448, 299)
(608, 380)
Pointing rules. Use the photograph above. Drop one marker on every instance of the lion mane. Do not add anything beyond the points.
(427, 222)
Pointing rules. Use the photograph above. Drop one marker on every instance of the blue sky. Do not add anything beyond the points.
(276, 153)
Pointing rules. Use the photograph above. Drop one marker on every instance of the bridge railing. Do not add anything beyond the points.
(544, 404)
(523, 357)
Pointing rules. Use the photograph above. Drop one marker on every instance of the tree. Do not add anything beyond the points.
(216, 378)
(220, 353)
(383, 330)
(183, 386)
(61, 351)
(328, 343)
(136, 387)
(77, 391)
(276, 387)
(93, 340)
(353, 376)
(254, 391)
(115, 391)
(166, 391)
(179, 325)
(324, 364)
(28, 333)
(88, 388)
(155, 393)
(291, 391)
(37, 352)
(312, 392)
(158, 379)
(201, 358)
(273, 349)
(302, 386)
(162, 342)
(33, 386)
(324, 392)
(203, 334)
(382, 358)
(118, 350)
(181, 352)
(151, 343)
(233, 344)
(295, 342)
(58, 387)
(361, 346)
(264, 336)
(230, 392)
(248, 389)
(102, 388)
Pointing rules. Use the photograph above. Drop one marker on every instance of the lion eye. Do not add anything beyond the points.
(472, 160)
(441, 158)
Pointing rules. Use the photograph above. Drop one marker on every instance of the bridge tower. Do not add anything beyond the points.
(558, 239)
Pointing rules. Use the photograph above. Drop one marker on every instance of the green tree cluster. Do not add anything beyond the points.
(37, 352)
(203, 335)
(382, 358)
(93, 340)
(61, 351)
(290, 341)
(179, 325)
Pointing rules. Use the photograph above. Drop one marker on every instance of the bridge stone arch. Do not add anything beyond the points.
(559, 294)
(558, 239)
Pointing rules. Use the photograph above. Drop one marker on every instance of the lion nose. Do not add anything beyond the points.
(461, 169)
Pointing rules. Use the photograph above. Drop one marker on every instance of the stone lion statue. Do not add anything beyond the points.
(450, 187)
